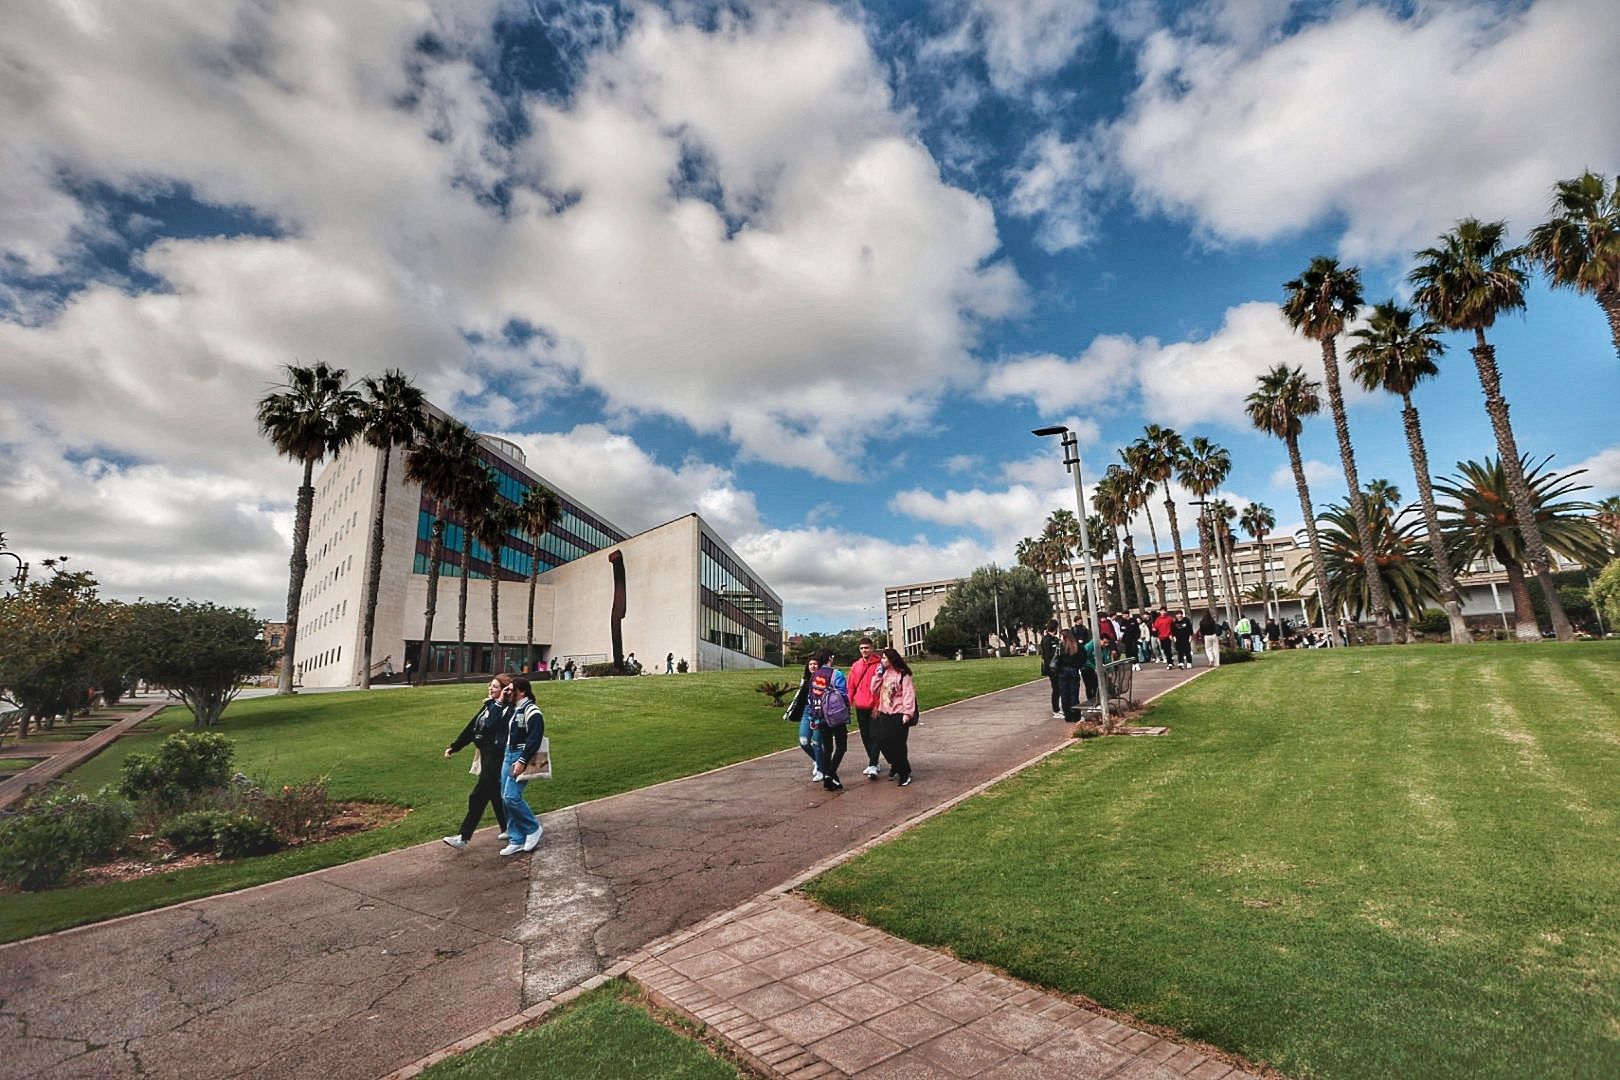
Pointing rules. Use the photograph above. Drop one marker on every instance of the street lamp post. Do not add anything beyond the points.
(1071, 461)
(995, 596)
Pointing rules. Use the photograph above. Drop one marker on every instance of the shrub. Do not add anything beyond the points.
(195, 830)
(1432, 621)
(297, 811)
(602, 670)
(238, 835)
(188, 762)
(1236, 656)
(1085, 729)
(777, 691)
(43, 844)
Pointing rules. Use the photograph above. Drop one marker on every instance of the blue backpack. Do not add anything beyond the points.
(827, 705)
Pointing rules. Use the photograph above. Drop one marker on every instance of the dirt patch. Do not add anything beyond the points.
(148, 855)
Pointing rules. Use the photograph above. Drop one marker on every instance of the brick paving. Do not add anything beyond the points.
(801, 992)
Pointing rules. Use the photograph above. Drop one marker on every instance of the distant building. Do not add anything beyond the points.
(687, 591)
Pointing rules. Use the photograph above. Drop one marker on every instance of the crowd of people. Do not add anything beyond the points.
(877, 693)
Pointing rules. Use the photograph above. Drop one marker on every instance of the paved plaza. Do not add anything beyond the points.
(366, 969)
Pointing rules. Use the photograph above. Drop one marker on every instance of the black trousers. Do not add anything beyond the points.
(863, 719)
(1057, 692)
(833, 742)
(1090, 678)
(1167, 648)
(486, 792)
(1184, 650)
(892, 735)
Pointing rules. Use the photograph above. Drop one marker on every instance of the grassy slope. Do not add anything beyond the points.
(1354, 863)
(608, 736)
(604, 1035)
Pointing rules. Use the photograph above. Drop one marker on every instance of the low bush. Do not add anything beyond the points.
(1236, 656)
(602, 671)
(195, 830)
(188, 762)
(777, 691)
(1085, 729)
(43, 844)
(295, 812)
(240, 835)
(1432, 621)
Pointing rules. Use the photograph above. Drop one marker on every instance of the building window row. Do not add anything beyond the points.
(321, 659)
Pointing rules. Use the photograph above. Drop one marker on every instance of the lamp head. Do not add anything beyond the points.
(1055, 429)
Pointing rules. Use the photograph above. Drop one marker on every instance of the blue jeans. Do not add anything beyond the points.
(808, 742)
(520, 820)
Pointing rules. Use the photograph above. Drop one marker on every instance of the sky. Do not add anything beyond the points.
(813, 270)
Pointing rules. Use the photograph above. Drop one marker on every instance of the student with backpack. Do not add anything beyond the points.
(823, 690)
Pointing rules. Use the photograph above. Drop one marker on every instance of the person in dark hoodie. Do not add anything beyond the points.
(1181, 628)
(486, 731)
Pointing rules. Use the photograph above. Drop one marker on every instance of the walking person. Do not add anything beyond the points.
(486, 731)
(1209, 632)
(896, 714)
(1130, 639)
(1049, 650)
(863, 687)
(1067, 662)
(829, 714)
(1164, 629)
(524, 730)
(1181, 628)
(802, 712)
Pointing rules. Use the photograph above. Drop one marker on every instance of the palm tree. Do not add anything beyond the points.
(393, 412)
(1579, 246)
(1608, 517)
(539, 508)
(1109, 500)
(1482, 521)
(472, 499)
(444, 455)
(1319, 303)
(1158, 451)
(1222, 514)
(1403, 563)
(490, 524)
(1463, 285)
(1202, 467)
(1395, 355)
(1100, 534)
(1258, 520)
(1142, 488)
(1062, 534)
(1278, 407)
(310, 415)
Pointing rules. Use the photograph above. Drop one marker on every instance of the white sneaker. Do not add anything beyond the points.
(816, 777)
(456, 842)
(870, 772)
(533, 840)
(511, 849)
(1057, 716)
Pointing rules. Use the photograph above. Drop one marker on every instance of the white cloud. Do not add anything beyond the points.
(1602, 472)
(1396, 126)
(962, 462)
(1098, 377)
(1021, 40)
(1318, 474)
(1054, 184)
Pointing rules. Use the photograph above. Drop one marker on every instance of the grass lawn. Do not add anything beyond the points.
(607, 1034)
(1350, 863)
(11, 765)
(607, 735)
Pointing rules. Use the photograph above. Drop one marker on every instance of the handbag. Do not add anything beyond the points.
(539, 767)
(478, 762)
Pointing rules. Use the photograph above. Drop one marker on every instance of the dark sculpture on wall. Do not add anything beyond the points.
(616, 615)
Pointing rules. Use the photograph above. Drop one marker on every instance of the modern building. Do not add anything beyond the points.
(686, 591)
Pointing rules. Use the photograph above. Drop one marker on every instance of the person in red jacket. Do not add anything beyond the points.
(863, 699)
(1163, 629)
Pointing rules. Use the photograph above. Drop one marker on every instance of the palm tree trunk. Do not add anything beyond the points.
(495, 610)
(1158, 561)
(1265, 580)
(297, 567)
(1609, 301)
(1223, 553)
(1175, 537)
(374, 569)
(1121, 568)
(1358, 505)
(534, 580)
(1524, 613)
(1318, 566)
(1535, 547)
(1136, 567)
(461, 612)
(1204, 549)
(1450, 596)
(435, 557)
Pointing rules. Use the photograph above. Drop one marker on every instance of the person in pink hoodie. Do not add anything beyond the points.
(863, 688)
(896, 714)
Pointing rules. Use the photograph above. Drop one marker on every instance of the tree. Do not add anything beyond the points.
(539, 508)
(55, 634)
(1156, 454)
(393, 413)
(1203, 467)
(1579, 245)
(1284, 398)
(1606, 593)
(199, 651)
(490, 524)
(1402, 562)
(1110, 498)
(443, 456)
(472, 498)
(1394, 355)
(1141, 488)
(972, 603)
(1035, 553)
(1222, 514)
(1482, 521)
(1258, 520)
(1062, 535)
(1463, 284)
(1608, 517)
(1319, 303)
(306, 418)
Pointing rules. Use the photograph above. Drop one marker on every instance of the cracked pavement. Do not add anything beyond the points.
(355, 971)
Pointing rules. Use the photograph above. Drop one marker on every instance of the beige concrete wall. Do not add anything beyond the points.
(331, 615)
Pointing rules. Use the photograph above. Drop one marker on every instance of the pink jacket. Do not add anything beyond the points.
(898, 695)
(861, 693)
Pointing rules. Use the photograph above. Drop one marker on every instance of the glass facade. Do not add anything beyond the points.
(735, 611)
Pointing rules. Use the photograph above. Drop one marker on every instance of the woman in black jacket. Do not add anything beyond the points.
(487, 732)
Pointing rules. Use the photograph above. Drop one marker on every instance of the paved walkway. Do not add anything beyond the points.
(366, 968)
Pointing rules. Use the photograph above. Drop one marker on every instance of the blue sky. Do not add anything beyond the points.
(814, 270)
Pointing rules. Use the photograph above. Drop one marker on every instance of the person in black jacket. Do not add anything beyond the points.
(1182, 630)
(1049, 650)
(487, 732)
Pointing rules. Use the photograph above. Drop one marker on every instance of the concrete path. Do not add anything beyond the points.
(362, 969)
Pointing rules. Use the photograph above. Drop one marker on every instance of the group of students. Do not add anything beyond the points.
(878, 694)
(506, 732)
